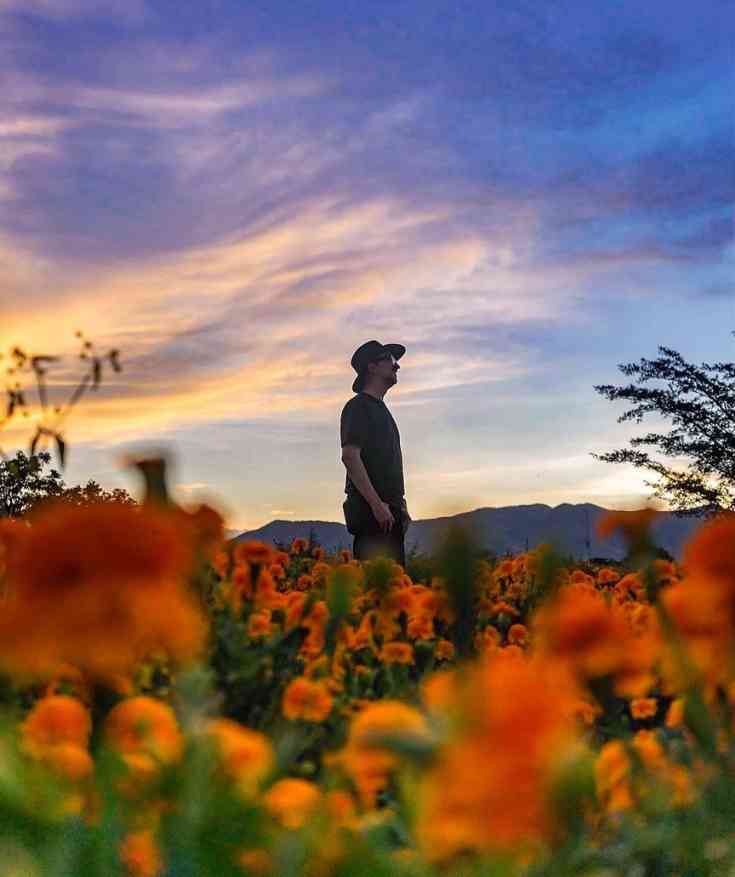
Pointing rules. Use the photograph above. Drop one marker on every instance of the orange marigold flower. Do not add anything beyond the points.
(385, 717)
(295, 602)
(144, 725)
(98, 587)
(304, 582)
(664, 569)
(206, 525)
(420, 627)
(444, 650)
(266, 594)
(518, 634)
(710, 552)
(221, 563)
(259, 624)
(252, 551)
(612, 777)
(292, 801)
(675, 714)
(439, 691)
(307, 699)
(501, 607)
(587, 712)
(299, 545)
(345, 556)
(504, 569)
(246, 756)
(53, 720)
(516, 718)
(366, 762)
(519, 565)
(341, 807)
(596, 639)
(320, 571)
(11, 532)
(318, 552)
(364, 633)
(139, 853)
(606, 575)
(68, 760)
(644, 707)
(487, 639)
(397, 653)
(257, 862)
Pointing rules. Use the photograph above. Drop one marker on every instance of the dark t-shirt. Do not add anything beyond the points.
(367, 423)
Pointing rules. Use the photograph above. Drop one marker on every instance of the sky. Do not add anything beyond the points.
(237, 195)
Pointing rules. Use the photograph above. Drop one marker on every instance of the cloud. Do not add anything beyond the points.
(133, 11)
(237, 210)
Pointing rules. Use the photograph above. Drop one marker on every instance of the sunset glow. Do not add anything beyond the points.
(239, 195)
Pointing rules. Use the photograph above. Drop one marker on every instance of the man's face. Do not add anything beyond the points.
(386, 367)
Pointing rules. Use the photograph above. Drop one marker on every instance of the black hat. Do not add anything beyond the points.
(369, 352)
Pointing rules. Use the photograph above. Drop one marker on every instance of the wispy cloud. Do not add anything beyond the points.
(237, 209)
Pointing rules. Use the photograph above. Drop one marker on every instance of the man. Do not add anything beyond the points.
(375, 508)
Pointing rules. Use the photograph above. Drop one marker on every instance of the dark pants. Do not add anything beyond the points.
(369, 539)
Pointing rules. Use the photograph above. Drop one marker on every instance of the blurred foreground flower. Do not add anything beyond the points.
(491, 786)
(99, 587)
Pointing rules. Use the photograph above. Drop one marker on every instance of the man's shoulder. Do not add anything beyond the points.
(357, 401)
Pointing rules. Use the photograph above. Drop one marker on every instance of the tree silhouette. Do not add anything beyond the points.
(699, 401)
(24, 485)
(23, 482)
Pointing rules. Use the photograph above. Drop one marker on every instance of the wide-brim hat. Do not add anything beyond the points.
(369, 352)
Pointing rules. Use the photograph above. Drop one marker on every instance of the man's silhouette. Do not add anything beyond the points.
(375, 508)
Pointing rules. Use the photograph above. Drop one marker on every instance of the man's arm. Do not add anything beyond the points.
(358, 474)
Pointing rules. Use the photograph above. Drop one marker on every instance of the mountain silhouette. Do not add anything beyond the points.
(509, 529)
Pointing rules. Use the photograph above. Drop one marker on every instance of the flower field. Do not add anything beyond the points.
(175, 704)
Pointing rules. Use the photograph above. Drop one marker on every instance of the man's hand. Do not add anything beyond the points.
(383, 515)
(408, 518)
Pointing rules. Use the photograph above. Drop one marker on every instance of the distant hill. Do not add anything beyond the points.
(507, 529)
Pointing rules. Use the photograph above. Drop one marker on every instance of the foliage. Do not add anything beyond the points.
(699, 401)
(25, 484)
(521, 717)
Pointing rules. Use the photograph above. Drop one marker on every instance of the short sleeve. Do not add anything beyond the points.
(354, 425)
